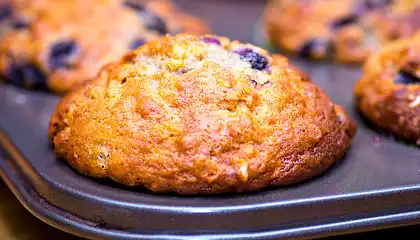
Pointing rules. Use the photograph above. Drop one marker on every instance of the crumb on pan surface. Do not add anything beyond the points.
(200, 115)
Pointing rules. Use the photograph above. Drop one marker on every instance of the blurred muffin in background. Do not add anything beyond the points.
(57, 44)
(344, 30)
(388, 94)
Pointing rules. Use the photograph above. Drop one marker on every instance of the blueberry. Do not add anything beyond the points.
(136, 6)
(347, 20)
(150, 19)
(315, 45)
(257, 61)
(60, 53)
(5, 12)
(406, 77)
(370, 5)
(136, 43)
(154, 22)
(307, 48)
(20, 24)
(211, 40)
(373, 4)
(26, 75)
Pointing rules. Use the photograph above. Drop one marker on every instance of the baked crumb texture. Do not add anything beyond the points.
(200, 115)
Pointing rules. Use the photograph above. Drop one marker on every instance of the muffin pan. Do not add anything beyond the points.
(376, 185)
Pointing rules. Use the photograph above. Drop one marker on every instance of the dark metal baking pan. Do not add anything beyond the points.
(376, 185)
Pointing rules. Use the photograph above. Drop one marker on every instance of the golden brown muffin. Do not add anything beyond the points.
(389, 92)
(57, 44)
(200, 115)
(344, 30)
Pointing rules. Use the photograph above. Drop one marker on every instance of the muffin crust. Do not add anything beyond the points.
(200, 115)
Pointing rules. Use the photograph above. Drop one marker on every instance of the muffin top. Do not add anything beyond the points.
(61, 43)
(395, 66)
(200, 115)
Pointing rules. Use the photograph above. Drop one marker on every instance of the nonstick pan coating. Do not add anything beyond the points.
(375, 185)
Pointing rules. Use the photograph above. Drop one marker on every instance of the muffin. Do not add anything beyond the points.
(343, 30)
(388, 94)
(57, 44)
(200, 115)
